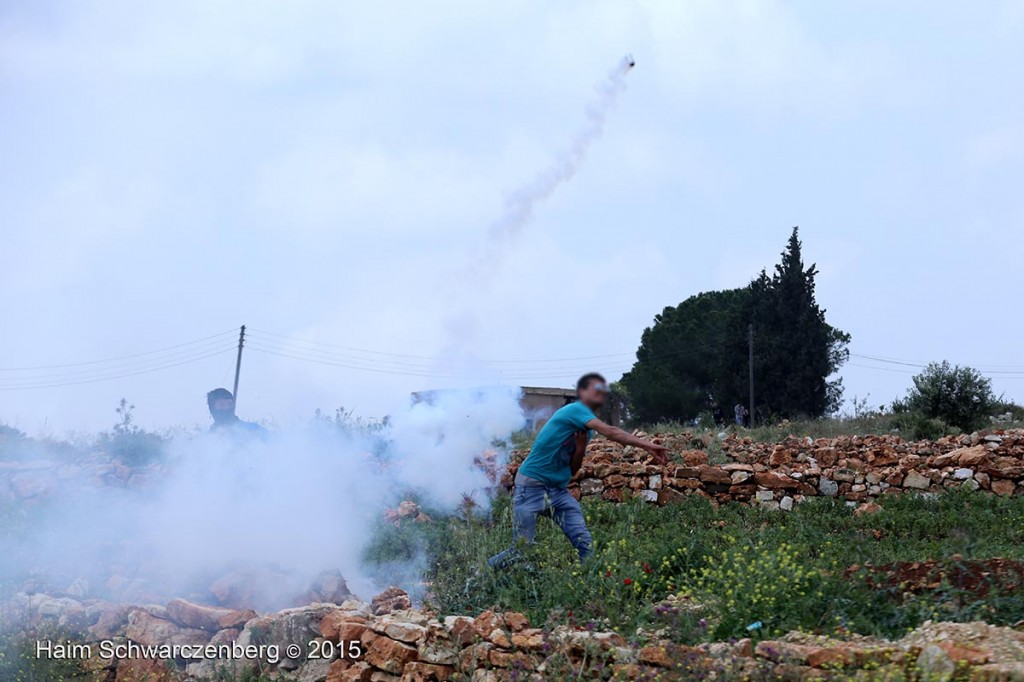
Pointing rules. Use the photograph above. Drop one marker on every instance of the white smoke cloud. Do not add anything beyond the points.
(447, 435)
(298, 503)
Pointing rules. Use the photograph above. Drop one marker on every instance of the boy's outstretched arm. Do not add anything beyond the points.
(659, 453)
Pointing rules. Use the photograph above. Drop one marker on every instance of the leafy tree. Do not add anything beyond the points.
(959, 396)
(697, 351)
(683, 359)
(795, 349)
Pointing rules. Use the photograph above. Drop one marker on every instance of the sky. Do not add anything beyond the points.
(326, 173)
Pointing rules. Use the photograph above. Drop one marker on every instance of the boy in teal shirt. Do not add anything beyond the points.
(557, 454)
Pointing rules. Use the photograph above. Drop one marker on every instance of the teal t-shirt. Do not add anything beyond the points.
(550, 457)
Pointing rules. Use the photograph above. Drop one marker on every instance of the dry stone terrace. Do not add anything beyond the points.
(855, 468)
(387, 641)
(858, 469)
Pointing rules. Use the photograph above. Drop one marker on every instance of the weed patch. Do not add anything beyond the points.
(703, 573)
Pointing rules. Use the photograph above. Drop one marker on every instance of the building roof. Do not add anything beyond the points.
(541, 390)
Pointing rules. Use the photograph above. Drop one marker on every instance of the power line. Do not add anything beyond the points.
(420, 369)
(375, 361)
(290, 339)
(256, 333)
(891, 362)
(275, 339)
(109, 377)
(440, 369)
(881, 369)
(281, 342)
(1019, 369)
(257, 342)
(115, 359)
(140, 362)
(439, 374)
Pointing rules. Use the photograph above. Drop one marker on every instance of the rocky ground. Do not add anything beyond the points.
(387, 640)
(342, 638)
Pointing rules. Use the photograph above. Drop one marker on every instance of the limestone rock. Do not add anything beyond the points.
(1003, 487)
(290, 626)
(417, 671)
(313, 670)
(934, 663)
(867, 509)
(391, 599)
(209, 618)
(827, 487)
(916, 480)
(398, 629)
(147, 629)
(342, 625)
(390, 655)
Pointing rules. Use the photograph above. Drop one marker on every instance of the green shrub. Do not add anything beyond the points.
(916, 426)
(959, 396)
(129, 444)
(754, 586)
(1008, 407)
(19, 662)
(13, 442)
(349, 423)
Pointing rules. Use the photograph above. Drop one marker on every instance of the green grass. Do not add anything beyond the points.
(872, 424)
(772, 433)
(738, 565)
(19, 663)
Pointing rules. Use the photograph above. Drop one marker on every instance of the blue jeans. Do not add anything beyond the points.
(532, 501)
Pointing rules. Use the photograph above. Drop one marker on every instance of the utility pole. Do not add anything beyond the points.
(750, 362)
(238, 362)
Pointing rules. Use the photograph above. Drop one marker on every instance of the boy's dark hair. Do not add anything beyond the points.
(586, 380)
(218, 394)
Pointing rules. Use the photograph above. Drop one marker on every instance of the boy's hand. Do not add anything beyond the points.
(659, 453)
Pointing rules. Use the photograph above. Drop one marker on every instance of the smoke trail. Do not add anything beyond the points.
(462, 327)
(520, 204)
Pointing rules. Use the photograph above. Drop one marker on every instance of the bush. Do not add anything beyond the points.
(349, 423)
(916, 426)
(959, 396)
(12, 442)
(754, 585)
(1004, 408)
(19, 662)
(129, 444)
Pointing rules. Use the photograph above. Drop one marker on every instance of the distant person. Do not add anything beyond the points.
(717, 414)
(741, 414)
(222, 408)
(557, 454)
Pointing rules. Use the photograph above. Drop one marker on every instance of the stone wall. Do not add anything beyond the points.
(388, 641)
(858, 469)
